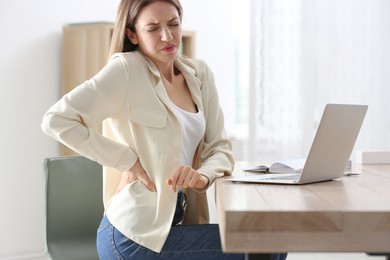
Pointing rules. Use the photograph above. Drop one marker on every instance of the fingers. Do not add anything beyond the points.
(136, 173)
(177, 178)
(143, 177)
(193, 181)
(186, 177)
(120, 187)
(126, 178)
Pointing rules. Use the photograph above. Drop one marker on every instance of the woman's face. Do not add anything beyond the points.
(158, 32)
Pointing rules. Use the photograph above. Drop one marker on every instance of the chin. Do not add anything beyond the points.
(171, 57)
(162, 57)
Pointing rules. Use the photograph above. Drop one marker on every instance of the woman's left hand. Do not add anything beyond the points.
(187, 177)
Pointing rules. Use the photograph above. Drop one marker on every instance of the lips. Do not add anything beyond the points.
(169, 48)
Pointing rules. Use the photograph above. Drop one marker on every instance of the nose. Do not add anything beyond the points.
(166, 34)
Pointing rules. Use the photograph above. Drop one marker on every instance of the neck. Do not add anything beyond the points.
(168, 71)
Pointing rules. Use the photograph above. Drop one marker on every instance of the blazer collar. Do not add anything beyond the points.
(193, 82)
(189, 73)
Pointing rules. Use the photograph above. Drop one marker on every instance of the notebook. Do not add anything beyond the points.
(330, 150)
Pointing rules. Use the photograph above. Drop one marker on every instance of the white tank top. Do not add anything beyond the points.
(193, 126)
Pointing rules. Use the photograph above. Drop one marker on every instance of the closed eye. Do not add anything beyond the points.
(152, 29)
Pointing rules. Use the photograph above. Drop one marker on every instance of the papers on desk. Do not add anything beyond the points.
(287, 166)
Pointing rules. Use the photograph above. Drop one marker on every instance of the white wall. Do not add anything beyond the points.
(29, 82)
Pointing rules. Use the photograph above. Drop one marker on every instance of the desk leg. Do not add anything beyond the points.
(258, 257)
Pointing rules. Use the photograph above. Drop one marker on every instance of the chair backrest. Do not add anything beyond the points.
(74, 206)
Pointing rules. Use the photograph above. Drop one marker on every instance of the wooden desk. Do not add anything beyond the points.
(351, 214)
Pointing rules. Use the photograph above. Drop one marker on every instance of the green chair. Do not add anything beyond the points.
(74, 207)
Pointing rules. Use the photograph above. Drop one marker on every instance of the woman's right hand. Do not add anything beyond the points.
(136, 172)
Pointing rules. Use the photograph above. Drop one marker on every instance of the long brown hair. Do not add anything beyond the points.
(126, 18)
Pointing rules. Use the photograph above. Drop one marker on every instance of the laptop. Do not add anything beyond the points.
(330, 151)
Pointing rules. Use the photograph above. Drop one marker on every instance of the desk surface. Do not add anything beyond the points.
(351, 214)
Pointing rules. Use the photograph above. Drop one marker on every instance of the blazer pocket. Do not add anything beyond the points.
(148, 117)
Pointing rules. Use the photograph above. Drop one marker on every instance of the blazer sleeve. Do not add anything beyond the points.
(216, 151)
(73, 120)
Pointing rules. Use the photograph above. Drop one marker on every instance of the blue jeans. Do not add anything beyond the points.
(183, 242)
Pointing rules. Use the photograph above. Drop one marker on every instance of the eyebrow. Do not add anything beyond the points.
(157, 23)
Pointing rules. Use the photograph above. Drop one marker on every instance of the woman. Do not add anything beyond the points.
(164, 141)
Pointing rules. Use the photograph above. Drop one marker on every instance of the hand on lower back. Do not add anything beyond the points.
(137, 172)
